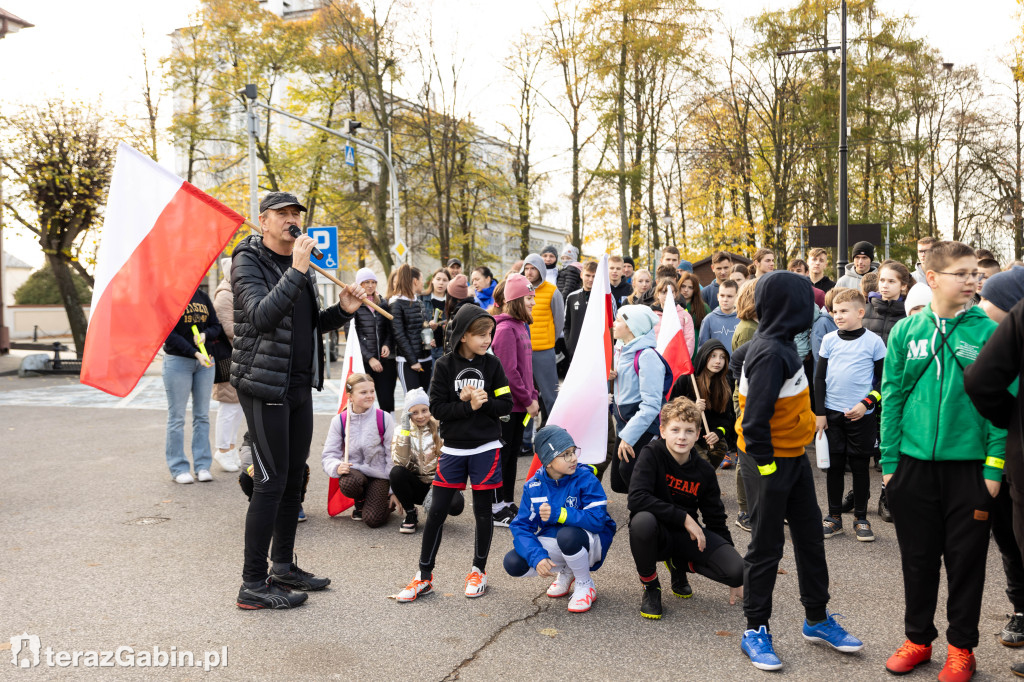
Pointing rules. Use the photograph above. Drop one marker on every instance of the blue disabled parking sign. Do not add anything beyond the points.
(327, 241)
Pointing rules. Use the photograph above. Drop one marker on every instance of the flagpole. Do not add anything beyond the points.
(348, 425)
(696, 392)
(330, 277)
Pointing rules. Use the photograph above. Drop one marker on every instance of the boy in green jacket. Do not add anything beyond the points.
(942, 462)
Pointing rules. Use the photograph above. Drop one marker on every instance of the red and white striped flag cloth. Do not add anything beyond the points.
(582, 405)
(671, 341)
(160, 237)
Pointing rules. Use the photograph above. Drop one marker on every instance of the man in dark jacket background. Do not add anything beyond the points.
(278, 357)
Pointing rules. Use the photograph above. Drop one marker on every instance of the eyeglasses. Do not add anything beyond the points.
(570, 454)
(964, 277)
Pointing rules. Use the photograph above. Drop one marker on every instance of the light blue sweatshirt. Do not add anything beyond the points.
(645, 389)
(718, 326)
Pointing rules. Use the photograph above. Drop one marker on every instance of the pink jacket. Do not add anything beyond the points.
(685, 321)
(512, 347)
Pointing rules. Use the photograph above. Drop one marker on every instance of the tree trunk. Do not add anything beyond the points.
(72, 306)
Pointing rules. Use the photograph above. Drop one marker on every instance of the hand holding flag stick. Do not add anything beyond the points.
(329, 276)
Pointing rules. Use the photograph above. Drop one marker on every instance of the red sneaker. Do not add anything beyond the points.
(907, 657)
(960, 665)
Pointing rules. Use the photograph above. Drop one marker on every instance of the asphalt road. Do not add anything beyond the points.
(85, 571)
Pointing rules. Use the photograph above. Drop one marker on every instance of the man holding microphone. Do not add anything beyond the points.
(278, 358)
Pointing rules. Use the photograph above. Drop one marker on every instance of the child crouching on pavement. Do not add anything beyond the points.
(669, 486)
(364, 476)
(563, 529)
(414, 451)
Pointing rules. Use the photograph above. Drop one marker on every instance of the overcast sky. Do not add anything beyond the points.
(91, 50)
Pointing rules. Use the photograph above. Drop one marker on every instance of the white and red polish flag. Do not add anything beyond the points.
(160, 237)
(582, 405)
(671, 341)
(337, 501)
(352, 363)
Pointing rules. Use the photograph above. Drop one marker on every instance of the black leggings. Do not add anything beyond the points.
(410, 491)
(512, 440)
(281, 435)
(651, 542)
(440, 504)
(622, 472)
(384, 383)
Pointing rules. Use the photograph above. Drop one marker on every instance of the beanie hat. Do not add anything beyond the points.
(1004, 289)
(517, 286)
(550, 249)
(550, 442)
(458, 288)
(685, 265)
(628, 259)
(536, 261)
(639, 318)
(819, 297)
(365, 274)
(416, 396)
(919, 294)
(863, 249)
(571, 251)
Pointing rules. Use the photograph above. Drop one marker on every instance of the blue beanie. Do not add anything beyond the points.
(1004, 289)
(550, 442)
(685, 266)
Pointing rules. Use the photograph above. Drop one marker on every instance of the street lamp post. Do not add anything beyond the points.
(844, 200)
(8, 24)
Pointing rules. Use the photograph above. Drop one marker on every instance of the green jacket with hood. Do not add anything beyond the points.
(926, 413)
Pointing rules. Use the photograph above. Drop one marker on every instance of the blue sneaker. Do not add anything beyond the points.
(832, 633)
(757, 644)
(302, 514)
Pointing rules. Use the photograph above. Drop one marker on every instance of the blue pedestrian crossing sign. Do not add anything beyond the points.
(327, 241)
(350, 155)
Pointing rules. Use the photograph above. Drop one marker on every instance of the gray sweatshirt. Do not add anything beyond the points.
(366, 452)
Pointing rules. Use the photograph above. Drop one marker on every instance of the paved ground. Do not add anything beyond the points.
(85, 571)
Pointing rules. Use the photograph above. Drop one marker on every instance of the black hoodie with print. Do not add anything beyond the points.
(672, 491)
(463, 427)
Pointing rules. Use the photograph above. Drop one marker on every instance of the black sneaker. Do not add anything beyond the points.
(680, 585)
(832, 525)
(411, 522)
(883, 508)
(1013, 632)
(297, 579)
(504, 518)
(847, 506)
(650, 603)
(357, 511)
(743, 521)
(862, 529)
(269, 596)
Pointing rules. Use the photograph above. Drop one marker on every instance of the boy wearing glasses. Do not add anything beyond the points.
(563, 530)
(942, 462)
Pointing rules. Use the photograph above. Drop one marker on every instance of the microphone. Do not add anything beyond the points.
(294, 231)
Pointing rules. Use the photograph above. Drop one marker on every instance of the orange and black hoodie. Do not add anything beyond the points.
(778, 422)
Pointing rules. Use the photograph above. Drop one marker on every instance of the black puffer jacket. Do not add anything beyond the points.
(881, 316)
(263, 301)
(569, 280)
(373, 330)
(407, 329)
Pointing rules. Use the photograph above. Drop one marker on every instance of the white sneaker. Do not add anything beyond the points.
(476, 583)
(204, 475)
(184, 478)
(414, 589)
(227, 460)
(583, 597)
(562, 585)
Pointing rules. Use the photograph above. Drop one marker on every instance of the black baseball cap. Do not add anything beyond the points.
(454, 261)
(279, 200)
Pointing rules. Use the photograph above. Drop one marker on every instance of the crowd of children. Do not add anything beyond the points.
(874, 364)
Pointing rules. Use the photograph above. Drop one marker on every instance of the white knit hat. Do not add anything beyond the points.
(416, 396)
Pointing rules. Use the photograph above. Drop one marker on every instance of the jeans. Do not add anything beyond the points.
(183, 376)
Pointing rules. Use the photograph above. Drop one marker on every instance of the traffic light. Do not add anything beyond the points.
(351, 127)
